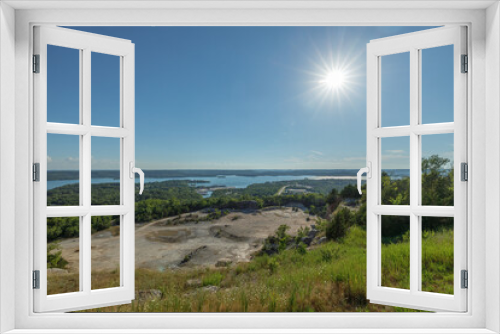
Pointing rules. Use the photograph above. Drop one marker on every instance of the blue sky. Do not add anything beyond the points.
(247, 98)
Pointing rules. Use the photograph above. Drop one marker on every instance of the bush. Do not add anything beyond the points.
(55, 259)
(337, 227)
(213, 279)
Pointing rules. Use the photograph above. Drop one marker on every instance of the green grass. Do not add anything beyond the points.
(327, 278)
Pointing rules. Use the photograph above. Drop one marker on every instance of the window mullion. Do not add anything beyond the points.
(85, 167)
(415, 247)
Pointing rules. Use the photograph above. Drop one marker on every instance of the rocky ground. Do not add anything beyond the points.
(191, 240)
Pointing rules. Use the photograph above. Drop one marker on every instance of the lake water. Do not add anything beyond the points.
(236, 181)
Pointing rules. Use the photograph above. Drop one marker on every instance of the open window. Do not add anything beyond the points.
(90, 130)
(417, 130)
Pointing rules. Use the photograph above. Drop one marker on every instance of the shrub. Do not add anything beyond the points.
(213, 279)
(55, 259)
(337, 227)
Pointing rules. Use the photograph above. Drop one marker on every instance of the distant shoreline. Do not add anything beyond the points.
(60, 175)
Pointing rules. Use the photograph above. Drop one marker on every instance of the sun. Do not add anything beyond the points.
(334, 79)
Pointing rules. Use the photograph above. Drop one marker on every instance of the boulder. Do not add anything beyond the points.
(57, 271)
(151, 294)
(307, 240)
(211, 289)
(194, 283)
(312, 234)
(322, 240)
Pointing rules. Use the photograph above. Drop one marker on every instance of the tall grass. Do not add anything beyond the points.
(328, 278)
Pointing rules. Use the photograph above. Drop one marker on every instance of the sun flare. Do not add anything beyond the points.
(334, 79)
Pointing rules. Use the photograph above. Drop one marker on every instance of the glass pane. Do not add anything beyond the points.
(63, 85)
(105, 171)
(395, 89)
(437, 254)
(396, 251)
(105, 90)
(63, 170)
(63, 255)
(437, 84)
(395, 171)
(437, 170)
(105, 252)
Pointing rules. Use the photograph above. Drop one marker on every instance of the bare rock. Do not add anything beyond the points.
(194, 283)
(152, 294)
(307, 240)
(211, 288)
(312, 234)
(57, 271)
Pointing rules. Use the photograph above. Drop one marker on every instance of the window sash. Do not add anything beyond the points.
(86, 43)
(414, 297)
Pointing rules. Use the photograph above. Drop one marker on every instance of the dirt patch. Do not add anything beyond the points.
(161, 244)
(219, 231)
(169, 236)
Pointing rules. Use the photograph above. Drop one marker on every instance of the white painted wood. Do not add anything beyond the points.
(7, 167)
(249, 4)
(490, 167)
(471, 322)
(413, 43)
(86, 43)
(77, 129)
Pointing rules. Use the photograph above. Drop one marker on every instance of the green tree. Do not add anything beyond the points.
(337, 227)
(350, 191)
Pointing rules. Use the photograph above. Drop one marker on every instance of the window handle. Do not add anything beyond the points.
(139, 171)
(368, 171)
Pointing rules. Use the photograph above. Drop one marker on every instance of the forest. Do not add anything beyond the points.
(172, 198)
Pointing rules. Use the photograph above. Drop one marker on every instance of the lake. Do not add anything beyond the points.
(237, 181)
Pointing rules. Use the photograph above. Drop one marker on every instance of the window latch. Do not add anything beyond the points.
(139, 171)
(368, 171)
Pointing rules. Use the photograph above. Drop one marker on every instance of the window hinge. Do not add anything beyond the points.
(464, 170)
(465, 64)
(36, 279)
(36, 63)
(36, 172)
(465, 279)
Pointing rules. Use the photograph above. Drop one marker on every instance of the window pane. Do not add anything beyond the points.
(437, 254)
(105, 252)
(63, 85)
(105, 171)
(396, 251)
(395, 89)
(437, 170)
(63, 255)
(395, 171)
(105, 90)
(437, 84)
(63, 170)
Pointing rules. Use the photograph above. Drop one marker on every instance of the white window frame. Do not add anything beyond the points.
(414, 43)
(483, 101)
(85, 44)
